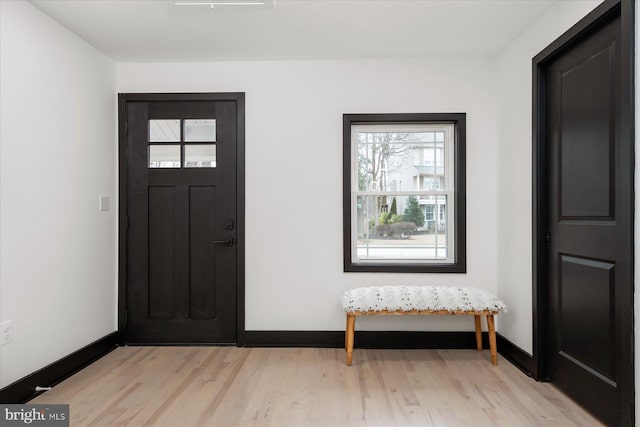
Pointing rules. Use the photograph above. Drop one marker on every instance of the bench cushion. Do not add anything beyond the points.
(409, 298)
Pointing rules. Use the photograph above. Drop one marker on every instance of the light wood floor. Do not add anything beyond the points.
(228, 386)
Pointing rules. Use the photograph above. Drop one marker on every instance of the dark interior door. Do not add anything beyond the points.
(181, 208)
(589, 225)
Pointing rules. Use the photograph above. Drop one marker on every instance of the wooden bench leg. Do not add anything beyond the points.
(346, 334)
(492, 339)
(478, 320)
(351, 325)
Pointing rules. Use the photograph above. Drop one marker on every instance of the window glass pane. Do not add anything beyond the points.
(441, 227)
(200, 156)
(164, 156)
(425, 136)
(440, 165)
(401, 228)
(431, 183)
(164, 130)
(400, 161)
(200, 130)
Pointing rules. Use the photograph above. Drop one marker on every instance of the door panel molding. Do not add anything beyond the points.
(598, 18)
(158, 178)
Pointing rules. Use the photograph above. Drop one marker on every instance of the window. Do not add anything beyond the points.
(430, 183)
(200, 153)
(416, 227)
(429, 209)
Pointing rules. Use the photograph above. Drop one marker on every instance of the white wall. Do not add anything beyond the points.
(514, 166)
(294, 275)
(57, 155)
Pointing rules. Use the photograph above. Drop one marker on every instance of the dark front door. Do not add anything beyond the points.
(589, 225)
(181, 212)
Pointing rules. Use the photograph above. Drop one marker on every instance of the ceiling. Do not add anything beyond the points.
(159, 31)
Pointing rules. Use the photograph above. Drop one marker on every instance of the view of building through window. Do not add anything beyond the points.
(401, 184)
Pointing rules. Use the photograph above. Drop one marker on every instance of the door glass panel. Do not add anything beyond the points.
(200, 130)
(200, 156)
(164, 130)
(164, 156)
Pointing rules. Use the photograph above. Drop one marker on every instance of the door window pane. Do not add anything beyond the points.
(164, 156)
(200, 130)
(200, 156)
(164, 130)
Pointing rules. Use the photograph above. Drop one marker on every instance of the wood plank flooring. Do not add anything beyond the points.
(228, 386)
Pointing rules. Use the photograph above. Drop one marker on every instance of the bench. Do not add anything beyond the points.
(424, 300)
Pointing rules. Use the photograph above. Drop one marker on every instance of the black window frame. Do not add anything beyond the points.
(459, 120)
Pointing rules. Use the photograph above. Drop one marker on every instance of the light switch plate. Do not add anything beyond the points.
(6, 332)
(104, 204)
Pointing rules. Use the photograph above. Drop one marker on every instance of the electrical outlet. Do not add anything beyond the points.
(6, 332)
